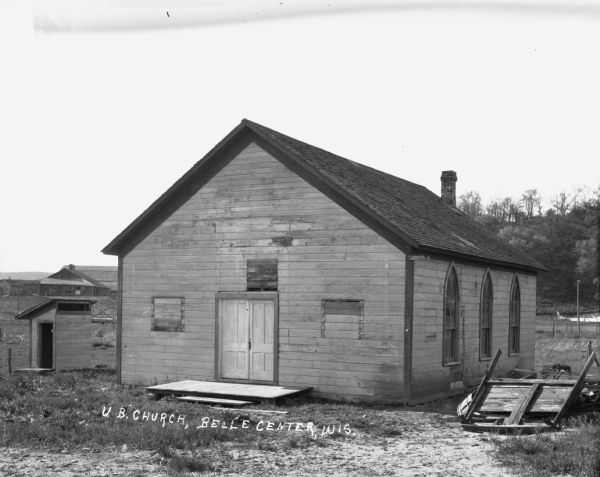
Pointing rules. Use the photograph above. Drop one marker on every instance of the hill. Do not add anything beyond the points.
(23, 275)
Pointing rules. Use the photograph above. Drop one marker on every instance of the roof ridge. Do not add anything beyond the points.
(358, 164)
(407, 214)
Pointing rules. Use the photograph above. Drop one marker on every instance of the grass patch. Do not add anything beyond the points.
(86, 408)
(101, 339)
(574, 451)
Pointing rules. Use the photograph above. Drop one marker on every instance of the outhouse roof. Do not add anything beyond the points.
(48, 304)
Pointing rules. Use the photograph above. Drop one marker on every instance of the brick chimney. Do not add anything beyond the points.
(449, 187)
(71, 267)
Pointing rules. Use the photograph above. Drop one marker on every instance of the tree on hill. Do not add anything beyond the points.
(564, 238)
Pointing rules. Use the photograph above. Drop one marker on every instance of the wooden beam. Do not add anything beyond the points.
(119, 319)
(590, 351)
(522, 405)
(524, 382)
(575, 390)
(513, 429)
(479, 393)
(409, 285)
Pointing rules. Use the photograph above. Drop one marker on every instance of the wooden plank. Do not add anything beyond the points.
(589, 352)
(575, 390)
(262, 273)
(530, 428)
(568, 383)
(119, 343)
(480, 392)
(409, 285)
(523, 404)
(501, 398)
(223, 388)
(550, 400)
(209, 400)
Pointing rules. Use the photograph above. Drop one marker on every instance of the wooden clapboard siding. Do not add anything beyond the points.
(243, 213)
(430, 376)
(72, 345)
(73, 341)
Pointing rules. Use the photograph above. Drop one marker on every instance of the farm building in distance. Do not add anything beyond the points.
(12, 287)
(273, 261)
(80, 280)
(60, 333)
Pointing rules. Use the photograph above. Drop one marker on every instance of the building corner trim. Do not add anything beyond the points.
(409, 280)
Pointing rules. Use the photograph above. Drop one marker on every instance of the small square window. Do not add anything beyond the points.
(261, 275)
(342, 319)
(168, 313)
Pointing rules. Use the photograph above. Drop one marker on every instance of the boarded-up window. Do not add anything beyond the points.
(514, 318)
(167, 313)
(451, 318)
(485, 319)
(342, 319)
(262, 274)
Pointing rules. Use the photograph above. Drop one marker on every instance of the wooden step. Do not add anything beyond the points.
(209, 400)
(34, 371)
(236, 391)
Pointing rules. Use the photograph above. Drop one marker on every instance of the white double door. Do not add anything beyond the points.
(246, 329)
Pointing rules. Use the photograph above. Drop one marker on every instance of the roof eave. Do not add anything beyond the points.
(119, 243)
(479, 259)
(122, 243)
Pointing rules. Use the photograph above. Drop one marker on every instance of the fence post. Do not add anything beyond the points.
(9, 360)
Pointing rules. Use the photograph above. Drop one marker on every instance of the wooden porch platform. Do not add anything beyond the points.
(248, 392)
(41, 371)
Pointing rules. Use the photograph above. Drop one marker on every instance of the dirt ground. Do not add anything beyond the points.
(430, 444)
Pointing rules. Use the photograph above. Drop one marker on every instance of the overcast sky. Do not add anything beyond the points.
(104, 104)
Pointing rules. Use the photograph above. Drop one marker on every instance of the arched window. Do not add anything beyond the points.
(485, 318)
(450, 346)
(514, 318)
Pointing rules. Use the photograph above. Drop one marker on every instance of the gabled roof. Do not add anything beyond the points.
(408, 215)
(103, 275)
(60, 281)
(77, 275)
(48, 304)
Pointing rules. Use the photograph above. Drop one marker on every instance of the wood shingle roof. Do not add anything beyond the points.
(409, 215)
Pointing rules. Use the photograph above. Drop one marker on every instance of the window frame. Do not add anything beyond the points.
(451, 284)
(514, 318)
(359, 313)
(486, 310)
(264, 264)
(181, 327)
(85, 308)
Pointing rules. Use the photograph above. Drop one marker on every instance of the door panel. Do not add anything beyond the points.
(261, 352)
(234, 339)
(246, 338)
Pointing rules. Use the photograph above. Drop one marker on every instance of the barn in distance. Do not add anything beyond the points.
(272, 261)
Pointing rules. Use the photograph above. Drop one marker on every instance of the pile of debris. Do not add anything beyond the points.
(525, 405)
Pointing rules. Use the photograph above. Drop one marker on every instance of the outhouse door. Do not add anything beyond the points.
(46, 345)
(247, 330)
